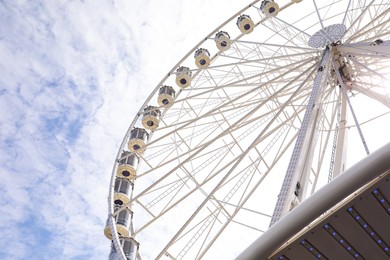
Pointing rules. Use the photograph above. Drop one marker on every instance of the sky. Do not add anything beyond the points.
(73, 76)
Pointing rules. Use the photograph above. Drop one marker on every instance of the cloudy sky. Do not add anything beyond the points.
(73, 75)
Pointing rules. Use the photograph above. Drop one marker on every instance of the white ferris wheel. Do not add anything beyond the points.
(270, 106)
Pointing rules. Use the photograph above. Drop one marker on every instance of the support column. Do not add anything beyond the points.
(341, 151)
(300, 163)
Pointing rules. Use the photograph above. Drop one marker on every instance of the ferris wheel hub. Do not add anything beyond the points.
(327, 35)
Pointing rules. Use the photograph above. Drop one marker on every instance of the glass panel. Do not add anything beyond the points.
(134, 133)
(117, 185)
(130, 249)
(125, 187)
(124, 218)
(132, 160)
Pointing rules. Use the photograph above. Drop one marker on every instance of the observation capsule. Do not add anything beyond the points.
(151, 118)
(138, 137)
(245, 24)
(183, 77)
(122, 222)
(202, 58)
(122, 188)
(166, 96)
(127, 166)
(222, 39)
(269, 8)
(130, 247)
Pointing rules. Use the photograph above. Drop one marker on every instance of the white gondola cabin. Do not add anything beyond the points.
(122, 191)
(127, 165)
(269, 8)
(151, 118)
(183, 77)
(202, 58)
(245, 24)
(166, 96)
(138, 138)
(123, 222)
(222, 40)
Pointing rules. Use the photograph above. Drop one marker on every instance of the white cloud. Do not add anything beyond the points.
(73, 76)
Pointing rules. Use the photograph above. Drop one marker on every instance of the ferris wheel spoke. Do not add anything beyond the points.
(208, 127)
(374, 38)
(356, 22)
(288, 67)
(283, 46)
(242, 60)
(178, 201)
(362, 84)
(199, 150)
(211, 218)
(287, 26)
(224, 94)
(279, 129)
(226, 176)
(233, 110)
(279, 32)
(194, 189)
(268, 99)
(287, 35)
(244, 200)
(215, 100)
(350, 106)
(332, 98)
(346, 12)
(167, 160)
(259, 121)
(374, 71)
(220, 156)
(282, 31)
(355, 14)
(382, 98)
(210, 221)
(318, 14)
(218, 107)
(247, 79)
(372, 57)
(381, 25)
(313, 15)
(374, 50)
(366, 67)
(276, 133)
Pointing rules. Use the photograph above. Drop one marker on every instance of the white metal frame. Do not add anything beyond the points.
(240, 118)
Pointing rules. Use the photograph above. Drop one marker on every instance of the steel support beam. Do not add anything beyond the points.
(342, 138)
(299, 166)
(381, 49)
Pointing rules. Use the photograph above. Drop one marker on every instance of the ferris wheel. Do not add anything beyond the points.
(270, 106)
